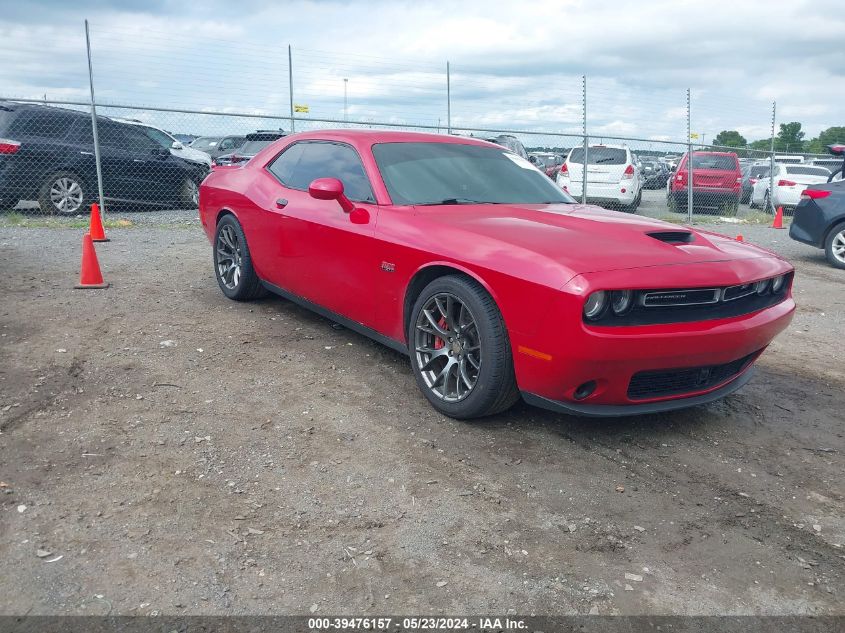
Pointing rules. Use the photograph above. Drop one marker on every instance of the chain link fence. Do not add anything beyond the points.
(608, 145)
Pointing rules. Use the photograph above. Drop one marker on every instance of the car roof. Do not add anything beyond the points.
(387, 136)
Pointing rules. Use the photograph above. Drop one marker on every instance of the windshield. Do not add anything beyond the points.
(162, 138)
(452, 173)
(598, 155)
(205, 142)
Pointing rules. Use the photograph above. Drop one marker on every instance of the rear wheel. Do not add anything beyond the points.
(233, 262)
(63, 192)
(834, 246)
(460, 351)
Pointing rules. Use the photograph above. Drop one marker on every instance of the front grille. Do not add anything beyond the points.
(657, 306)
(670, 382)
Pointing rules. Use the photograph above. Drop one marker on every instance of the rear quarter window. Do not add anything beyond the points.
(42, 124)
(807, 171)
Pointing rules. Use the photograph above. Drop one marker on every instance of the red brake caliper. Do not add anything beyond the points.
(438, 342)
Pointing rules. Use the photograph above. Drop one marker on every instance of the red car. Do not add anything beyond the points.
(716, 182)
(495, 282)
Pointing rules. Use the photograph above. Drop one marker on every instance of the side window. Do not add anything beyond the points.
(328, 160)
(111, 135)
(80, 133)
(44, 124)
(302, 163)
(285, 164)
(136, 140)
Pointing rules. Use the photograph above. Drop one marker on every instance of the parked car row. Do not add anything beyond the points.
(47, 154)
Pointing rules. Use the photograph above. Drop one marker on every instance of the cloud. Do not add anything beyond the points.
(514, 65)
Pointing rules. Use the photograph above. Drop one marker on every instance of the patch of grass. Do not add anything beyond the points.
(18, 220)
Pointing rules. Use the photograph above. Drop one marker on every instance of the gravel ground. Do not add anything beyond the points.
(164, 450)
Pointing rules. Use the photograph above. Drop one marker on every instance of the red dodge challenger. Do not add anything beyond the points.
(495, 282)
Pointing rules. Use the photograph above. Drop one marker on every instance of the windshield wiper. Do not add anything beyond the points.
(455, 201)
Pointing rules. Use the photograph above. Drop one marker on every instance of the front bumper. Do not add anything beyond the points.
(565, 353)
(614, 411)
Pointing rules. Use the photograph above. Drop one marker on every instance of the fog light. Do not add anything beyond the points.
(585, 390)
(595, 305)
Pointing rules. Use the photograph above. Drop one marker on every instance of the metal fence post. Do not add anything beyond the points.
(772, 161)
(584, 131)
(448, 99)
(689, 158)
(290, 89)
(94, 123)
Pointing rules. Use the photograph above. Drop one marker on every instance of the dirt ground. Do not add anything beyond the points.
(165, 450)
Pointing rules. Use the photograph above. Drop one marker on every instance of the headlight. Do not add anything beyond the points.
(762, 287)
(595, 304)
(777, 283)
(621, 300)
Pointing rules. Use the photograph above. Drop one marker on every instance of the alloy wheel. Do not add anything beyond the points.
(447, 345)
(837, 247)
(194, 193)
(229, 257)
(66, 195)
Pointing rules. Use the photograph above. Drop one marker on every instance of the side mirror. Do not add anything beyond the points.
(330, 189)
(177, 145)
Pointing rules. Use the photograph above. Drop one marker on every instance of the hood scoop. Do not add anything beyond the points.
(673, 237)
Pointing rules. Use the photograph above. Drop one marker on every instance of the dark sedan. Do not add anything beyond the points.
(750, 175)
(655, 174)
(820, 220)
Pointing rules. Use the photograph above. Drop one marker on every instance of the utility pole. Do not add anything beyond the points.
(448, 100)
(689, 158)
(345, 111)
(772, 160)
(584, 132)
(290, 87)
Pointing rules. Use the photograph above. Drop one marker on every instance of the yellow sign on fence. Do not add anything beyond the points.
(693, 135)
(300, 108)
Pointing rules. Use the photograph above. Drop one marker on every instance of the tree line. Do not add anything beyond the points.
(790, 138)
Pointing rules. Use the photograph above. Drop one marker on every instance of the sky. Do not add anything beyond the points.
(513, 65)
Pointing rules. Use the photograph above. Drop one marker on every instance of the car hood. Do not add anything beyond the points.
(585, 238)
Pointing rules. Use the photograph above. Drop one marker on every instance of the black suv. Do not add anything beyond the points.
(47, 154)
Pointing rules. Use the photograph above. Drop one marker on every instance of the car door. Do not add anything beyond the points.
(330, 261)
(157, 175)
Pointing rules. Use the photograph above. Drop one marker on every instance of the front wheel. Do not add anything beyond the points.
(460, 351)
(189, 194)
(233, 262)
(834, 246)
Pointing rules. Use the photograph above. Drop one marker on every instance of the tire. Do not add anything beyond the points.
(232, 261)
(834, 246)
(64, 193)
(189, 194)
(478, 359)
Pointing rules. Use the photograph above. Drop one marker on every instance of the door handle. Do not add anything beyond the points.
(138, 160)
(281, 203)
(87, 153)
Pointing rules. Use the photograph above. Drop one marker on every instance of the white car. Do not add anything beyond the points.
(612, 176)
(167, 141)
(790, 181)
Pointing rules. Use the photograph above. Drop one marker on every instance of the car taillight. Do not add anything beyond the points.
(814, 194)
(564, 170)
(628, 173)
(786, 183)
(753, 181)
(8, 146)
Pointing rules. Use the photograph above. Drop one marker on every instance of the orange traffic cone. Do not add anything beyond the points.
(90, 275)
(778, 222)
(96, 225)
